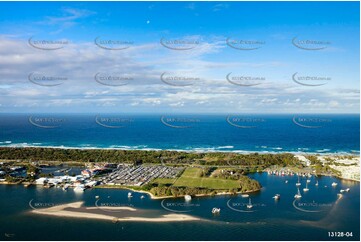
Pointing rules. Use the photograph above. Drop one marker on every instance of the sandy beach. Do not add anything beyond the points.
(349, 166)
(77, 210)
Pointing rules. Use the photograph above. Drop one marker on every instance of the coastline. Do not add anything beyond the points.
(166, 197)
(193, 150)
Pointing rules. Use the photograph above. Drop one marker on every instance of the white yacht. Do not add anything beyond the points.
(298, 195)
(216, 210)
(306, 189)
(249, 205)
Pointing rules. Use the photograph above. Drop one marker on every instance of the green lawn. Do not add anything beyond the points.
(164, 180)
(190, 178)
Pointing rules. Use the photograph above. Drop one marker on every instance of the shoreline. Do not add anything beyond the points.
(194, 150)
(165, 197)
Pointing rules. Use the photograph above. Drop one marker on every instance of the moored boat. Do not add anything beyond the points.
(216, 210)
(187, 197)
(65, 187)
(306, 189)
(79, 188)
(249, 205)
(298, 195)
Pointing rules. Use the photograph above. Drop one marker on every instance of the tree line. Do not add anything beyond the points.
(156, 157)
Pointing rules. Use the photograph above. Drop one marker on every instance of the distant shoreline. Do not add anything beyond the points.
(194, 150)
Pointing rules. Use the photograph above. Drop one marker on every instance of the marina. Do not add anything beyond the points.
(284, 221)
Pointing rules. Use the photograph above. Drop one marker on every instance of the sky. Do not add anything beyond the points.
(179, 57)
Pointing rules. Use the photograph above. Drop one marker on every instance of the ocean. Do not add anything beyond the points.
(243, 133)
(320, 210)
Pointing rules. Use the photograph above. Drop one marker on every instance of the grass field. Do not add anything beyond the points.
(191, 178)
(164, 180)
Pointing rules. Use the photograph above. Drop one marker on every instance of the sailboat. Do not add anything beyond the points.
(298, 195)
(316, 183)
(249, 205)
(298, 183)
(306, 188)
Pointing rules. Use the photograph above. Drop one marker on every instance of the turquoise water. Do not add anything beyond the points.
(270, 220)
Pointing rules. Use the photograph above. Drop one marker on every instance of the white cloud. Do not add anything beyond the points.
(80, 62)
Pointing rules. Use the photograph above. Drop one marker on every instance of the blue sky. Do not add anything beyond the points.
(276, 63)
